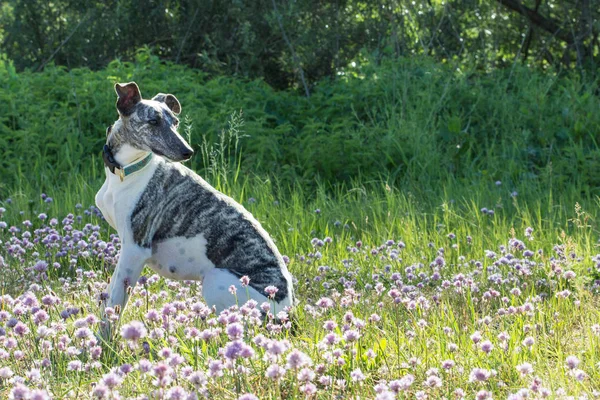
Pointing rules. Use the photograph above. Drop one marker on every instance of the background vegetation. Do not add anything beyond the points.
(421, 93)
(412, 122)
(430, 168)
(298, 43)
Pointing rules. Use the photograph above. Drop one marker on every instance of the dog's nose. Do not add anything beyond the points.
(187, 154)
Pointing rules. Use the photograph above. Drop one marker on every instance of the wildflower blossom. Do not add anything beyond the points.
(20, 392)
(134, 331)
(111, 380)
(6, 373)
(572, 362)
(479, 375)
(308, 389)
(486, 346)
(476, 337)
(176, 393)
(433, 381)
(275, 372)
(525, 368)
(351, 335)
(357, 375)
(245, 281)
(235, 331)
(297, 359)
(75, 365)
(528, 341)
(271, 290)
(248, 396)
(579, 374)
(215, 368)
(402, 384)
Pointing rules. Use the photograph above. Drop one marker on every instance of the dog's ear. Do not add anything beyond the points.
(170, 100)
(129, 95)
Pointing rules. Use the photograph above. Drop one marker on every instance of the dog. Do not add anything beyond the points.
(173, 221)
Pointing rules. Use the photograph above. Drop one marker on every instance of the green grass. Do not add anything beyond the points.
(371, 212)
(432, 192)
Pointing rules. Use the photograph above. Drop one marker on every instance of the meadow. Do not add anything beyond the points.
(441, 231)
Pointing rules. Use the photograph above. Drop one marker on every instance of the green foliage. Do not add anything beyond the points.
(278, 39)
(414, 122)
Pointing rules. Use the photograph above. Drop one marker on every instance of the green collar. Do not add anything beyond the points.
(134, 167)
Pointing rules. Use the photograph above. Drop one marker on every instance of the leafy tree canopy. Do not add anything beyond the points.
(298, 42)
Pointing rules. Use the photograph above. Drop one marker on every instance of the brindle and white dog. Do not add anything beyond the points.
(172, 220)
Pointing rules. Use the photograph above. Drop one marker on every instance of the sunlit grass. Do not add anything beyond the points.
(442, 273)
(425, 281)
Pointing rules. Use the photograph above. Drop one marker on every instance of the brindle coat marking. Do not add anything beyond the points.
(191, 207)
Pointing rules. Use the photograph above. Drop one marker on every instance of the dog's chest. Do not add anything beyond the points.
(181, 258)
(116, 199)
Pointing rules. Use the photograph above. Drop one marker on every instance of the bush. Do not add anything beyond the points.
(411, 120)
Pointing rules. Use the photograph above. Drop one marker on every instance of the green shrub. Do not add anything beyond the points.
(412, 121)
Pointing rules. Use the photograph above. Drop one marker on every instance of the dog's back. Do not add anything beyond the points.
(177, 203)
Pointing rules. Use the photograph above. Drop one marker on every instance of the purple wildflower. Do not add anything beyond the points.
(476, 337)
(271, 290)
(572, 362)
(486, 346)
(479, 375)
(525, 368)
(297, 359)
(112, 380)
(275, 372)
(528, 341)
(134, 331)
(351, 335)
(248, 396)
(176, 393)
(235, 331)
(433, 381)
(21, 329)
(20, 392)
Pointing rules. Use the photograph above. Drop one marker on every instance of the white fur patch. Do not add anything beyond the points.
(215, 289)
(181, 258)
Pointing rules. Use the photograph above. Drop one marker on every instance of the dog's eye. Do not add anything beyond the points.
(153, 122)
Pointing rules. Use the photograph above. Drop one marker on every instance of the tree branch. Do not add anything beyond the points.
(42, 65)
(287, 41)
(536, 19)
(530, 33)
(187, 33)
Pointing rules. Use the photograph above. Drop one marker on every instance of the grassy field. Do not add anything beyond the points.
(396, 299)
(439, 284)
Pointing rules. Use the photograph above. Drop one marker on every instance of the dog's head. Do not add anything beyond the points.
(150, 125)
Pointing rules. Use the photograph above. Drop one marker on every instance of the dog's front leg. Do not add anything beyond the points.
(126, 274)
